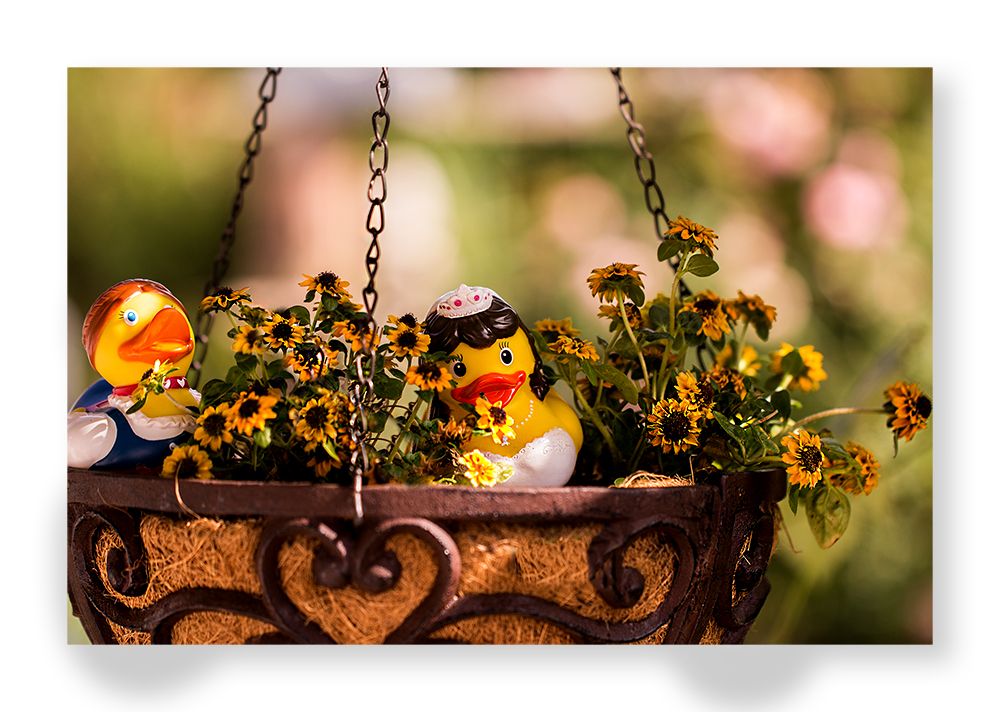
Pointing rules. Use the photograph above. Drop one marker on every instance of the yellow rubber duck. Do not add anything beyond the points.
(494, 357)
(134, 326)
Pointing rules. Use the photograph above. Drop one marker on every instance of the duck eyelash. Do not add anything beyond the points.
(504, 344)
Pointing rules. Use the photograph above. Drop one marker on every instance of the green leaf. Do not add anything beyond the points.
(635, 294)
(247, 363)
(301, 314)
(793, 498)
(659, 317)
(668, 248)
(262, 437)
(387, 387)
(620, 381)
(588, 370)
(689, 322)
(792, 362)
(701, 265)
(331, 450)
(828, 512)
(782, 402)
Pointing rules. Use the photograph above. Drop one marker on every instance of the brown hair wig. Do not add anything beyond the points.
(107, 303)
(498, 321)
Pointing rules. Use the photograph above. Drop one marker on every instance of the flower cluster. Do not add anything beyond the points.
(677, 389)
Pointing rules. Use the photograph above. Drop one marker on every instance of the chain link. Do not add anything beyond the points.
(375, 225)
(220, 265)
(653, 194)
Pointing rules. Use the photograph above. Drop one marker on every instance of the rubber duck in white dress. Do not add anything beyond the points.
(127, 330)
(494, 356)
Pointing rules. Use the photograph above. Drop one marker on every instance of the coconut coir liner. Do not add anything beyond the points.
(545, 561)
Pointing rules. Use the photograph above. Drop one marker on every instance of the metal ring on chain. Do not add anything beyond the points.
(358, 421)
(637, 140)
(267, 91)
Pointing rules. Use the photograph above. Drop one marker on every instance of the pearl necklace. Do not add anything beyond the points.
(531, 409)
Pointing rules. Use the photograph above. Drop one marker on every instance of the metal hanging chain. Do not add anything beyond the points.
(637, 139)
(375, 225)
(220, 265)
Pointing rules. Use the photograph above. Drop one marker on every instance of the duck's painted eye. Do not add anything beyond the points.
(131, 316)
(458, 369)
(506, 357)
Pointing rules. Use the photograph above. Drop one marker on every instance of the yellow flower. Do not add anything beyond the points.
(749, 362)
(310, 360)
(454, 433)
(808, 377)
(555, 329)
(752, 310)
(223, 298)
(612, 312)
(248, 340)
(709, 306)
(282, 333)
(429, 376)
(314, 422)
(909, 409)
(213, 428)
(407, 341)
(673, 425)
(153, 381)
(572, 346)
(865, 481)
(251, 412)
(481, 472)
(494, 418)
(606, 281)
(695, 393)
(356, 331)
(187, 461)
(327, 283)
(804, 458)
(684, 229)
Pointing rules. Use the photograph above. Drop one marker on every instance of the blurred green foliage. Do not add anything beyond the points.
(152, 167)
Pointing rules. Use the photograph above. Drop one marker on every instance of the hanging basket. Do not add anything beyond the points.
(153, 560)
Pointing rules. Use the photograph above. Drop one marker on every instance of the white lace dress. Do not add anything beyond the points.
(546, 461)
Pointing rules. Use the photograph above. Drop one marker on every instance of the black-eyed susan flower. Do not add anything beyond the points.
(865, 480)
(808, 376)
(213, 428)
(634, 314)
(249, 340)
(723, 377)
(327, 283)
(672, 426)
(481, 471)
(429, 376)
(282, 333)
(803, 457)
(356, 332)
(455, 433)
(187, 461)
(407, 321)
(310, 360)
(406, 341)
(684, 229)
(573, 346)
(753, 311)
(494, 418)
(550, 329)
(606, 281)
(696, 393)
(315, 422)
(251, 412)
(908, 409)
(748, 364)
(223, 298)
(153, 380)
(714, 319)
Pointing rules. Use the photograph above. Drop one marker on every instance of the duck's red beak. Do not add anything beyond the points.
(493, 386)
(167, 336)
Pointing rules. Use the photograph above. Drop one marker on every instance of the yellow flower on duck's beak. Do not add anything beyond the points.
(496, 372)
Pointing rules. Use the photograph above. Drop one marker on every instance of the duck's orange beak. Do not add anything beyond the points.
(167, 336)
(492, 386)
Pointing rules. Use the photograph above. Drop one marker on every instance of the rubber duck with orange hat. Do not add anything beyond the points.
(493, 357)
(134, 326)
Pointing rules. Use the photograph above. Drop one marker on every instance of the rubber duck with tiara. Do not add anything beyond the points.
(493, 355)
(131, 328)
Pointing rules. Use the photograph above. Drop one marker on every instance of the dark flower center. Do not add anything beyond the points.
(923, 407)
(316, 417)
(147, 374)
(407, 339)
(258, 389)
(810, 458)
(215, 424)
(499, 415)
(282, 331)
(428, 370)
(249, 408)
(675, 426)
(327, 280)
(705, 305)
(408, 320)
(187, 467)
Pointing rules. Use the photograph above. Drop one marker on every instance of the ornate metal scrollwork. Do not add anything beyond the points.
(722, 538)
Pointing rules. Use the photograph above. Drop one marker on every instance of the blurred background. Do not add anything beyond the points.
(817, 181)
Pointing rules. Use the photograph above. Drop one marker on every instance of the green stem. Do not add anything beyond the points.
(403, 430)
(631, 336)
(596, 421)
(673, 291)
